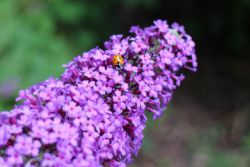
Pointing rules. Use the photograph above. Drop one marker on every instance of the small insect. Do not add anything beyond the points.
(118, 61)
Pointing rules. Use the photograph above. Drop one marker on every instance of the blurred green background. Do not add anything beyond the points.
(207, 123)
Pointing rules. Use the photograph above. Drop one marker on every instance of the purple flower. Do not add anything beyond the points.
(146, 59)
(4, 136)
(35, 148)
(94, 115)
(80, 161)
(131, 68)
(138, 45)
(72, 109)
(166, 57)
(13, 157)
(48, 159)
(161, 25)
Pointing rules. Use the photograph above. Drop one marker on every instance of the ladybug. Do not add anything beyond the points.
(118, 61)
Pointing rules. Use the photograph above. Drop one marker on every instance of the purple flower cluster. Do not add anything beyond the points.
(94, 115)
